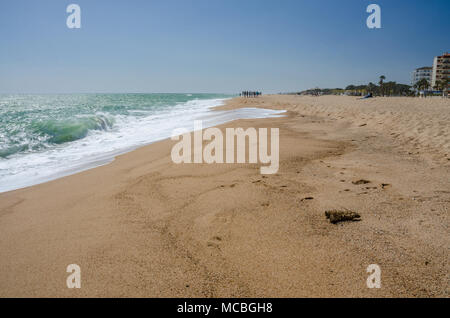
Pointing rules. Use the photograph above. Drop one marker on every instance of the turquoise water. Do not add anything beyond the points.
(30, 123)
(44, 137)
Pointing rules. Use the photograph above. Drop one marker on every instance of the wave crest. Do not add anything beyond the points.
(61, 131)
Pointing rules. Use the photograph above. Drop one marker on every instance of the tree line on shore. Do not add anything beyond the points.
(383, 88)
(424, 85)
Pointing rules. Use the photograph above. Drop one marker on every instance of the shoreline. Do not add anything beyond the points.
(210, 117)
(142, 226)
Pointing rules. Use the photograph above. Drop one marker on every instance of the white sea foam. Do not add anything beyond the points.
(100, 147)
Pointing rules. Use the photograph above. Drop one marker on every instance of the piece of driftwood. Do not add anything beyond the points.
(336, 216)
(361, 181)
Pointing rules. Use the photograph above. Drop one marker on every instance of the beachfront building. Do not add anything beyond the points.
(421, 73)
(441, 69)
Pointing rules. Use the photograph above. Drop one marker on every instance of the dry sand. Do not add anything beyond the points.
(143, 226)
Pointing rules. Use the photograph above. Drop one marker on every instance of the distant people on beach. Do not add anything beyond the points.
(249, 94)
(370, 95)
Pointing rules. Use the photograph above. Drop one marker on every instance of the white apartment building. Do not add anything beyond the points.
(425, 72)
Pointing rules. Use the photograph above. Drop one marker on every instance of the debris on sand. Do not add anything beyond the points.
(337, 216)
(361, 181)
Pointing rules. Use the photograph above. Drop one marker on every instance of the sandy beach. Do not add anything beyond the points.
(142, 226)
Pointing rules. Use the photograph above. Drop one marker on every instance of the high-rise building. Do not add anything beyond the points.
(441, 69)
(421, 73)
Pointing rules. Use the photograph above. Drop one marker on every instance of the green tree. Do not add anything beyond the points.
(441, 85)
(382, 78)
(371, 88)
(423, 84)
(444, 82)
(389, 88)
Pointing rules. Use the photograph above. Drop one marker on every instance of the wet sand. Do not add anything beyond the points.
(145, 227)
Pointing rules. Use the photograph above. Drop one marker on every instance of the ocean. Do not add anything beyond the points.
(44, 137)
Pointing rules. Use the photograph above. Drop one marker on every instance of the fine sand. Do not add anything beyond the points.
(143, 226)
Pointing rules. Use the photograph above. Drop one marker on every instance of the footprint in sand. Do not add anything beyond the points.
(214, 242)
(361, 181)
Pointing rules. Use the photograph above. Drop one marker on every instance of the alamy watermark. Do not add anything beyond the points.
(74, 279)
(74, 19)
(374, 19)
(214, 151)
(374, 279)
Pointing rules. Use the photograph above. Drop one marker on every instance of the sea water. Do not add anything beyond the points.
(44, 137)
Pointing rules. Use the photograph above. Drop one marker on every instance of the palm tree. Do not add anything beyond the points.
(390, 88)
(437, 85)
(416, 87)
(442, 85)
(423, 84)
(371, 88)
(382, 78)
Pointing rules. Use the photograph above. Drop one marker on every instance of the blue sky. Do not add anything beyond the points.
(214, 45)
